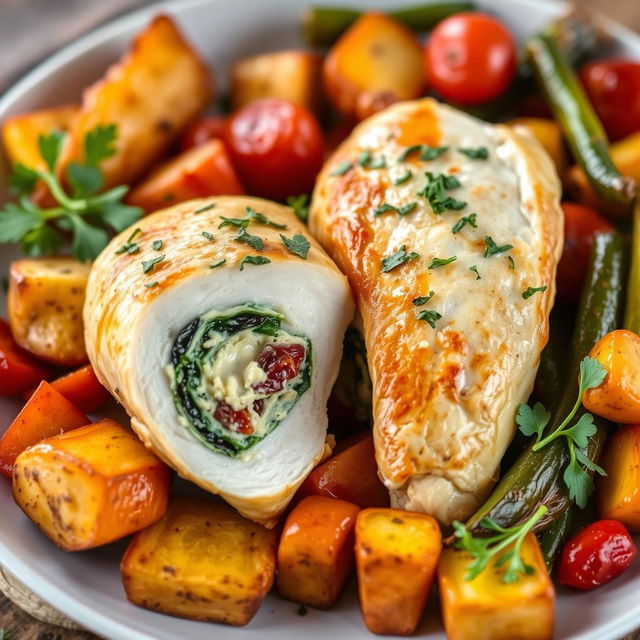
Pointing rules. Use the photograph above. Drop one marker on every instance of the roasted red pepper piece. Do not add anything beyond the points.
(281, 363)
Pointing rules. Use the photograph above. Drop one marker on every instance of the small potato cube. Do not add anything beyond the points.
(295, 76)
(91, 486)
(20, 133)
(315, 556)
(619, 491)
(376, 62)
(45, 301)
(202, 561)
(486, 608)
(396, 555)
(549, 135)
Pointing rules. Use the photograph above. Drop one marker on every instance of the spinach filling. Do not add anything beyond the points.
(236, 374)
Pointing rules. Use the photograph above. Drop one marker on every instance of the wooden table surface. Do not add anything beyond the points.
(31, 29)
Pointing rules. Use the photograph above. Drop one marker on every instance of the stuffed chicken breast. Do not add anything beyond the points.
(449, 230)
(218, 324)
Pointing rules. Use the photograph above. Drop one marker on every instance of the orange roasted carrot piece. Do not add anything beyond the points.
(350, 475)
(47, 413)
(91, 486)
(315, 556)
(81, 387)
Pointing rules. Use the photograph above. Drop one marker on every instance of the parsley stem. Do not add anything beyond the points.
(556, 433)
(58, 193)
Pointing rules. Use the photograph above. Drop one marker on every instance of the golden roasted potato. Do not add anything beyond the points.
(549, 135)
(295, 76)
(486, 608)
(396, 556)
(90, 486)
(45, 301)
(151, 95)
(376, 62)
(20, 133)
(203, 561)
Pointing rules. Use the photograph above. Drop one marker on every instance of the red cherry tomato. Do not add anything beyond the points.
(581, 225)
(276, 147)
(596, 555)
(202, 131)
(19, 370)
(470, 58)
(613, 86)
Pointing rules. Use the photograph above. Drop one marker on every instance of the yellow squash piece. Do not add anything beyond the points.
(150, 95)
(90, 486)
(549, 135)
(20, 133)
(486, 608)
(45, 301)
(295, 76)
(202, 561)
(396, 555)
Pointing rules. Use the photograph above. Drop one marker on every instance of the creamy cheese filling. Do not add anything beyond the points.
(236, 374)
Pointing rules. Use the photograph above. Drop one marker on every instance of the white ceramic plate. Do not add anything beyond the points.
(86, 586)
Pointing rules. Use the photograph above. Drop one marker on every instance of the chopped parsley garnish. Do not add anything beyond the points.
(151, 285)
(149, 265)
(300, 206)
(430, 316)
(129, 246)
(398, 258)
(367, 161)
(157, 245)
(217, 264)
(475, 270)
(533, 290)
(208, 235)
(482, 550)
(252, 260)
(365, 158)
(465, 220)
(378, 163)
(298, 245)
(403, 178)
(407, 208)
(492, 248)
(251, 215)
(420, 300)
(207, 207)
(534, 420)
(512, 263)
(342, 168)
(426, 152)
(401, 211)
(441, 262)
(384, 208)
(435, 192)
(477, 153)
(248, 238)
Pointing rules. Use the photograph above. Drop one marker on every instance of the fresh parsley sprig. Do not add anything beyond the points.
(483, 550)
(80, 209)
(534, 420)
(300, 206)
(398, 258)
(5, 635)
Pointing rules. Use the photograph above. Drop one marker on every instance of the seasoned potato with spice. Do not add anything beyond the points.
(378, 61)
(315, 556)
(91, 486)
(45, 301)
(295, 76)
(202, 561)
(158, 88)
(396, 555)
(486, 608)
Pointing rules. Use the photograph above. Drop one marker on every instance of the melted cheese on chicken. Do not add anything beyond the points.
(482, 230)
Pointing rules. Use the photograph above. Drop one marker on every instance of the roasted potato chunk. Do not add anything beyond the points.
(45, 301)
(377, 61)
(202, 561)
(151, 95)
(486, 608)
(90, 486)
(315, 556)
(20, 133)
(295, 76)
(549, 135)
(396, 555)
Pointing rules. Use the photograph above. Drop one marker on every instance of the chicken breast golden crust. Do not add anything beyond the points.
(218, 324)
(449, 230)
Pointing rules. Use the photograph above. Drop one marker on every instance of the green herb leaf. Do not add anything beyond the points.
(50, 146)
(431, 153)
(492, 248)
(474, 268)
(578, 482)
(532, 290)
(384, 208)
(420, 300)
(85, 180)
(298, 245)
(533, 420)
(130, 246)
(341, 169)
(300, 206)
(582, 430)
(149, 265)
(206, 207)
(477, 153)
(208, 235)
(397, 258)
(5, 635)
(365, 158)
(441, 262)
(406, 208)
(88, 241)
(592, 374)
(217, 264)
(403, 178)
(23, 180)
(151, 285)
(42, 240)
(512, 263)
(435, 193)
(248, 238)
(99, 144)
(430, 316)
(367, 161)
(465, 220)
(157, 244)
(252, 214)
(241, 223)
(253, 260)
(15, 223)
